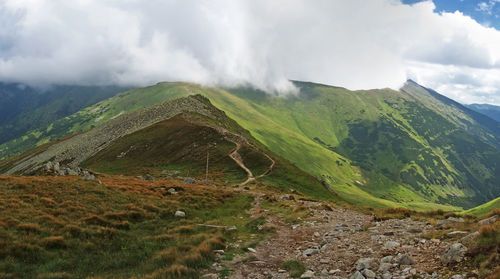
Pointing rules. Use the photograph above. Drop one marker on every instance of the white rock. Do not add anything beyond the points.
(180, 214)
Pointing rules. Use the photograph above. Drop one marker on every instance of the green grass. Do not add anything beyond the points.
(295, 268)
(378, 148)
(484, 208)
(122, 228)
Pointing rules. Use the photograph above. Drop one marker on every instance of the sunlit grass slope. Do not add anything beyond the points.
(485, 208)
(376, 147)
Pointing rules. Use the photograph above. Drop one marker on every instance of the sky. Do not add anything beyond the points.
(451, 46)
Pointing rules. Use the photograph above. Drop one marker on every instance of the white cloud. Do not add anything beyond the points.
(357, 44)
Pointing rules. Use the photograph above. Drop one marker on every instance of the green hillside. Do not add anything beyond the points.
(24, 108)
(374, 147)
(485, 208)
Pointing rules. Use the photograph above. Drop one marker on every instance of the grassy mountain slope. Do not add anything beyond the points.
(491, 111)
(23, 108)
(485, 208)
(375, 147)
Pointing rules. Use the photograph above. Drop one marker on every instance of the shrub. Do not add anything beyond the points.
(54, 242)
(185, 229)
(295, 268)
(152, 208)
(55, 275)
(173, 272)
(29, 228)
(487, 231)
(26, 252)
(495, 211)
(73, 230)
(107, 233)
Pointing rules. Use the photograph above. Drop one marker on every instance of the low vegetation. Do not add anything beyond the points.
(63, 227)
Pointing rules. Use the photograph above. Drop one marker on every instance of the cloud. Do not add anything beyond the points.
(356, 44)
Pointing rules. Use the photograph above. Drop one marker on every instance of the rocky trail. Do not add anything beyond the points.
(341, 243)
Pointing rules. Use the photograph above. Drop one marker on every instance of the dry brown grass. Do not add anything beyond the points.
(29, 228)
(54, 242)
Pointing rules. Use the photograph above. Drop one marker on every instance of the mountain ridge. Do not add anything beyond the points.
(379, 147)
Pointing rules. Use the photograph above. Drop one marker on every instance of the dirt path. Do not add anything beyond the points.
(237, 158)
(330, 243)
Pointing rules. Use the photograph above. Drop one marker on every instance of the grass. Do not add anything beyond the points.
(122, 228)
(485, 208)
(295, 268)
(377, 148)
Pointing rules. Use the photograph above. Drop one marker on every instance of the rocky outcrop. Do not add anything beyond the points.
(78, 148)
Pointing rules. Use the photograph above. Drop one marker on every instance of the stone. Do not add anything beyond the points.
(469, 237)
(281, 271)
(149, 177)
(88, 176)
(307, 274)
(391, 244)
(386, 259)
(455, 233)
(210, 276)
(386, 276)
(250, 249)
(384, 267)
(454, 253)
(56, 167)
(324, 272)
(415, 229)
(365, 263)
(316, 234)
(189, 180)
(357, 275)
(180, 214)
(324, 261)
(368, 273)
(172, 191)
(48, 166)
(457, 276)
(446, 223)
(488, 221)
(310, 252)
(231, 228)
(404, 259)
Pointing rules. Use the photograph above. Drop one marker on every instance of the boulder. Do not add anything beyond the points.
(149, 177)
(357, 275)
(369, 274)
(310, 252)
(488, 221)
(386, 259)
(189, 180)
(469, 237)
(391, 244)
(451, 221)
(404, 259)
(384, 267)
(180, 214)
(365, 263)
(454, 253)
(307, 274)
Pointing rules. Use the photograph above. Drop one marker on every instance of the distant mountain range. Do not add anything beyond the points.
(491, 111)
(24, 108)
(383, 148)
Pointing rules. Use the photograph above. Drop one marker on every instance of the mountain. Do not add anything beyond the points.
(24, 108)
(485, 208)
(491, 111)
(174, 135)
(382, 148)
